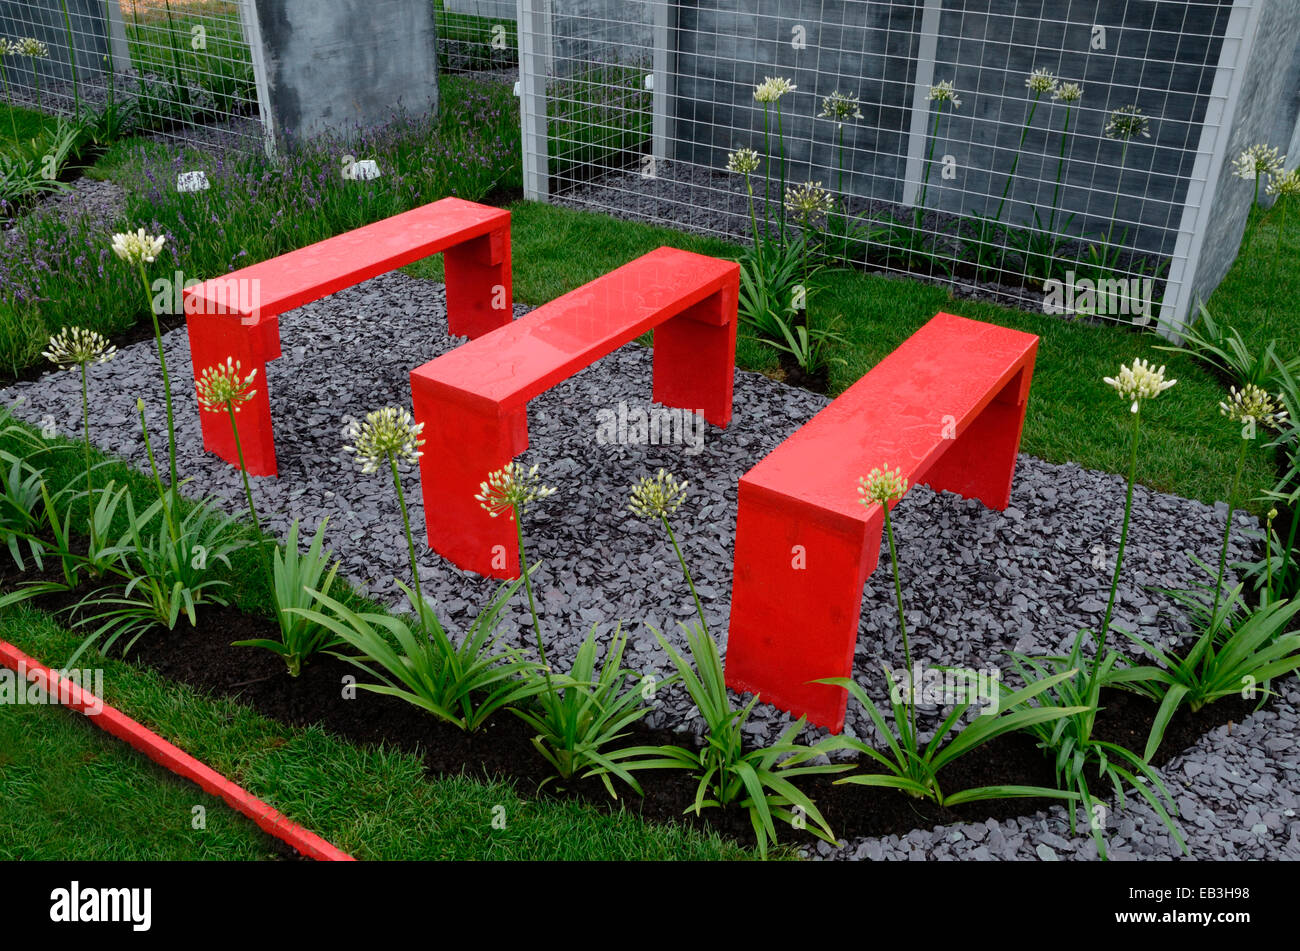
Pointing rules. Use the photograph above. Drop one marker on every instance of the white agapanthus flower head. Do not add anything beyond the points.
(1139, 381)
(1068, 92)
(1041, 81)
(77, 347)
(135, 247)
(385, 434)
(1257, 160)
(224, 384)
(944, 92)
(30, 46)
(1253, 402)
(658, 497)
(512, 488)
(1128, 122)
(841, 107)
(8, 47)
(882, 486)
(1284, 183)
(808, 201)
(742, 161)
(772, 88)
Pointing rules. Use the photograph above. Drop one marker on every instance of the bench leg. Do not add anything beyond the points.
(213, 339)
(795, 604)
(478, 284)
(461, 447)
(981, 462)
(695, 358)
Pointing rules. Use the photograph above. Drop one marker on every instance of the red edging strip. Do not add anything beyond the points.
(118, 724)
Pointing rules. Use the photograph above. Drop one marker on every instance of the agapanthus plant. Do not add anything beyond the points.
(138, 249)
(768, 94)
(78, 348)
(388, 437)
(1257, 162)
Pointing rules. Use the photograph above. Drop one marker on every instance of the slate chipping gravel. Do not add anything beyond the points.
(977, 582)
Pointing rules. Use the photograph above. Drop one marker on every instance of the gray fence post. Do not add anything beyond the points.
(927, 49)
(665, 32)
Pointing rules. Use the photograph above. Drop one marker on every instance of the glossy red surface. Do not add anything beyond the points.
(948, 408)
(473, 400)
(238, 315)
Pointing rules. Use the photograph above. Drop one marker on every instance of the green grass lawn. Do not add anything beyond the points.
(71, 794)
(1187, 447)
(22, 125)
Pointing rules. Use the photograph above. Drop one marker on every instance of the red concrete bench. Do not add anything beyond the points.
(947, 407)
(238, 315)
(473, 400)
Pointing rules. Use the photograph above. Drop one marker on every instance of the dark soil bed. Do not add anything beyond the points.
(204, 659)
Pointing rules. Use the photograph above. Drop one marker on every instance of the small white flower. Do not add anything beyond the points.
(944, 92)
(658, 497)
(1139, 381)
(387, 433)
(1257, 160)
(223, 384)
(1254, 403)
(512, 488)
(1128, 122)
(1041, 81)
(881, 487)
(1285, 183)
(1068, 92)
(771, 89)
(77, 346)
(30, 46)
(840, 106)
(808, 201)
(742, 161)
(138, 246)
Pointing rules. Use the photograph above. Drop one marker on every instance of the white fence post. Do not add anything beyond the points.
(927, 49)
(252, 28)
(1212, 152)
(534, 49)
(665, 31)
(117, 37)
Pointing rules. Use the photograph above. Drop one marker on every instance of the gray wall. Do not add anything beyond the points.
(1267, 112)
(599, 32)
(43, 19)
(867, 48)
(1160, 54)
(342, 64)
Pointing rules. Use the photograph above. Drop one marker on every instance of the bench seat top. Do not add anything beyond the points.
(507, 367)
(318, 270)
(895, 415)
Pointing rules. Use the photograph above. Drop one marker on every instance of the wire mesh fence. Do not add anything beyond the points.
(476, 36)
(1041, 152)
(178, 69)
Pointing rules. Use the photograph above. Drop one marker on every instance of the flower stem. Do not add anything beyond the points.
(167, 385)
(410, 542)
(1123, 541)
(528, 587)
(164, 497)
(252, 509)
(780, 144)
(699, 608)
(1227, 530)
(902, 623)
(1011, 175)
(1060, 173)
(1114, 211)
(85, 429)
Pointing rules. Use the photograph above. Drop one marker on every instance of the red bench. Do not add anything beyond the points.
(238, 315)
(473, 400)
(947, 407)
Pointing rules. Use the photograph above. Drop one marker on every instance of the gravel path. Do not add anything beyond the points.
(977, 582)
